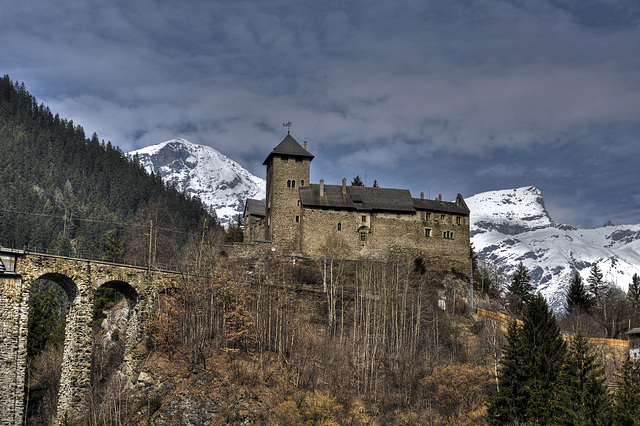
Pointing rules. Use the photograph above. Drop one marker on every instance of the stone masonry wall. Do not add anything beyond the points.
(14, 306)
(253, 229)
(386, 233)
(284, 201)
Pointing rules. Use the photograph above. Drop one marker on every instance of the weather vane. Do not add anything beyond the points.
(288, 126)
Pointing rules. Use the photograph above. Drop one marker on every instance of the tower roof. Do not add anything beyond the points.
(289, 146)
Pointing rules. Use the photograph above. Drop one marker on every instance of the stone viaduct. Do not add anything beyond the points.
(80, 279)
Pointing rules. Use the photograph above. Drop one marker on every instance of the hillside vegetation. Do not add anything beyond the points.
(62, 190)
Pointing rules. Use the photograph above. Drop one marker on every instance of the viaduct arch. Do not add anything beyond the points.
(79, 279)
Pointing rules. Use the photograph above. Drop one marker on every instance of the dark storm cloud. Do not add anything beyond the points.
(462, 96)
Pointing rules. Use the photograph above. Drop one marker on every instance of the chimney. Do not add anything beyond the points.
(321, 188)
(439, 197)
(344, 187)
(422, 195)
(305, 145)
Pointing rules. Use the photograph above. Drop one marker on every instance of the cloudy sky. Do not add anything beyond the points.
(436, 96)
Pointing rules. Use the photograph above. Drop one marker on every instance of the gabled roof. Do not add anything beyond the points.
(289, 146)
(633, 332)
(254, 207)
(362, 198)
(457, 207)
(357, 198)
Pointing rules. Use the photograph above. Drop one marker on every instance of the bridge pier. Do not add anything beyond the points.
(75, 378)
(14, 311)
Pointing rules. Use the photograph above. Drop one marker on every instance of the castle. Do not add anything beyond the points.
(306, 219)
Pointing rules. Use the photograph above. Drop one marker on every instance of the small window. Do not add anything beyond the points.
(289, 184)
(458, 220)
(363, 235)
(298, 202)
(427, 232)
(364, 218)
(339, 226)
(297, 219)
(443, 216)
(428, 216)
(293, 183)
(301, 182)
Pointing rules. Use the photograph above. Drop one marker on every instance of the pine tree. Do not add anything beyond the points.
(578, 298)
(357, 181)
(596, 285)
(520, 289)
(375, 184)
(507, 404)
(529, 370)
(544, 353)
(633, 294)
(626, 399)
(112, 247)
(581, 398)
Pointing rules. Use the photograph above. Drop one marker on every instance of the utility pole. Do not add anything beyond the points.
(473, 308)
(150, 241)
(324, 279)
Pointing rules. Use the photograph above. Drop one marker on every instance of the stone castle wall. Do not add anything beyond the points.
(253, 229)
(386, 233)
(283, 200)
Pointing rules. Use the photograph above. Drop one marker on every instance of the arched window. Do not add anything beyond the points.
(289, 184)
(339, 226)
(293, 183)
(301, 182)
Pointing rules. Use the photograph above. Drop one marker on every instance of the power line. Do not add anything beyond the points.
(75, 218)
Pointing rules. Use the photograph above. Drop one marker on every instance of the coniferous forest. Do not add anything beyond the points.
(62, 190)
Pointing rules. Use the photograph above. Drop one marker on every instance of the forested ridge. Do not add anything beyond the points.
(62, 190)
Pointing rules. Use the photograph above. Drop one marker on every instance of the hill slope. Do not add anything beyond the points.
(63, 191)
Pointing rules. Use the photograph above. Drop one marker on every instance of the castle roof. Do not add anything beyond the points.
(362, 198)
(289, 146)
(254, 207)
(457, 207)
(357, 198)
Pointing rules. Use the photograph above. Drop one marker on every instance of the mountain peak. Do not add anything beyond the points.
(221, 183)
(509, 211)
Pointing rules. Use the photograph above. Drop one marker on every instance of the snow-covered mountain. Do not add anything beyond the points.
(511, 226)
(222, 184)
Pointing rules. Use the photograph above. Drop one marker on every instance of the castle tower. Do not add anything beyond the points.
(288, 169)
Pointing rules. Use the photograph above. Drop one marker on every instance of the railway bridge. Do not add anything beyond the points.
(80, 279)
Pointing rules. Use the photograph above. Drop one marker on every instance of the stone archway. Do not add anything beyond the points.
(133, 299)
(48, 293)
(66, 283)
(114, 334)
